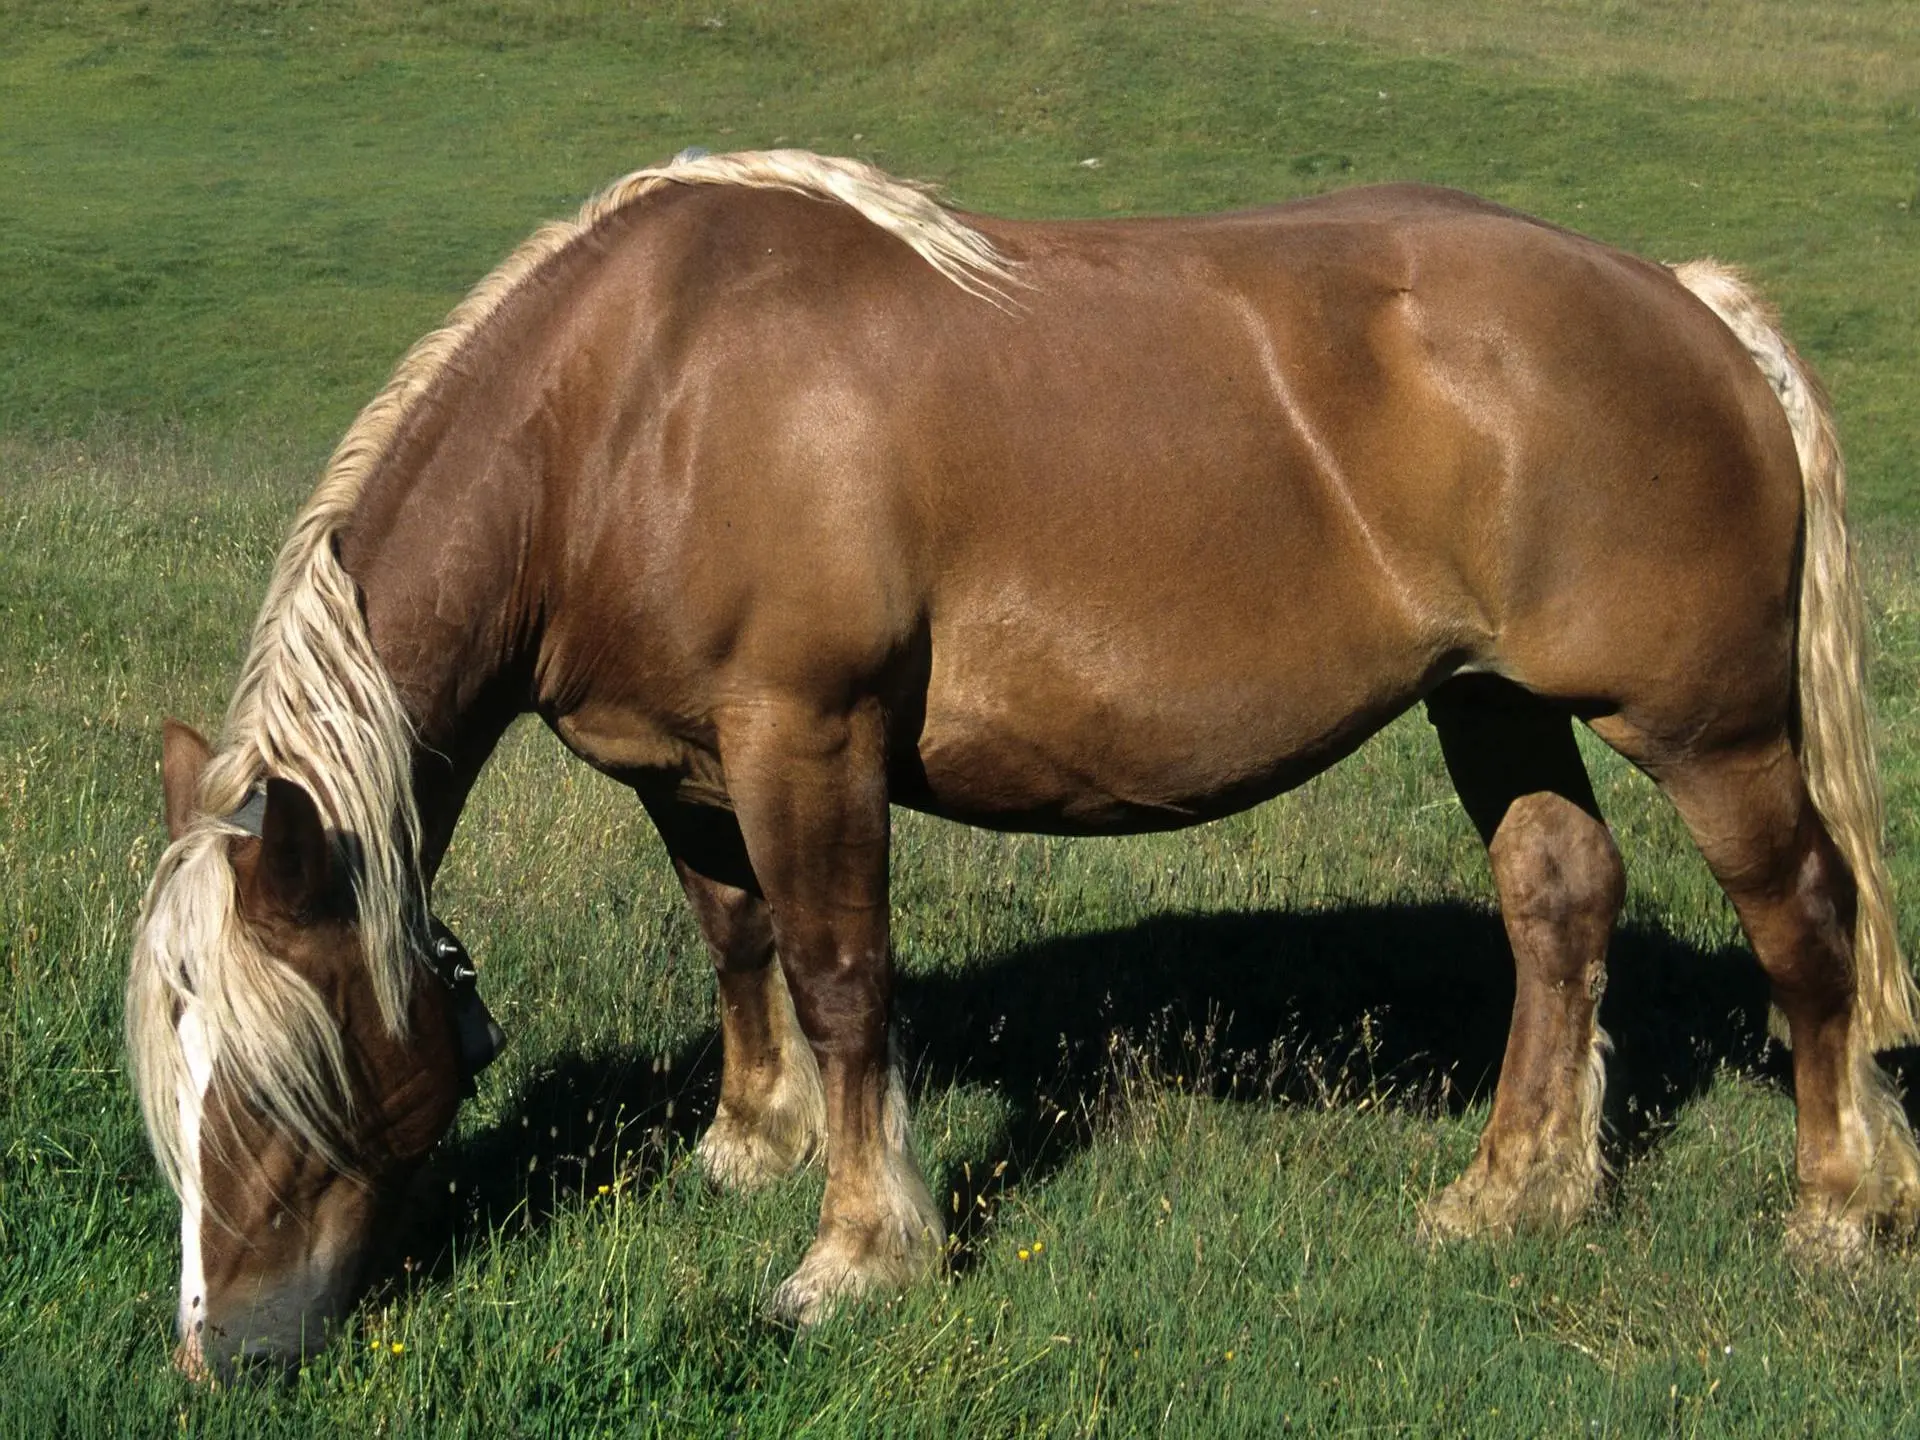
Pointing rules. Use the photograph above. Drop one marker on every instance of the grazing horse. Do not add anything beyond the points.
(783, 495)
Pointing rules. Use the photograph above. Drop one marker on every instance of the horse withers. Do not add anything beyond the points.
(785, 495)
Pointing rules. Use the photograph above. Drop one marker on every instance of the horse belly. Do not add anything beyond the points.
(1043, 735)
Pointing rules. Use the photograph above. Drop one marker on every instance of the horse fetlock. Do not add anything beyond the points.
(886, 1240)
(1864, 1179)
(752, 1145)
(1842, 1204)
(738, 1153)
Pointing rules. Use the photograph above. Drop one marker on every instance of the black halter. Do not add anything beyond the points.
(480, 1037)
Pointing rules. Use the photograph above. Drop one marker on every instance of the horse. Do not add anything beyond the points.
(785, 494)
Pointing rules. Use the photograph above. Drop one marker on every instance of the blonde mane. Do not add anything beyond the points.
(314, 704)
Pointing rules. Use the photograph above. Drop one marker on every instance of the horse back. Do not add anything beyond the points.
(1179, 520)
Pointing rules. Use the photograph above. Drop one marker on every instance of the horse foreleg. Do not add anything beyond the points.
(1560, 883)
(811, 795)
(771, 1117)
(1750, 813)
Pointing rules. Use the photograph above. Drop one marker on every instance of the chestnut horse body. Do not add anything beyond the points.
(782, 495)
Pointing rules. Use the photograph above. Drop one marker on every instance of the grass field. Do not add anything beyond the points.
(1184, 1091)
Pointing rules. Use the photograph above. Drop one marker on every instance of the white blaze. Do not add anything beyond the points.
(192, 1099)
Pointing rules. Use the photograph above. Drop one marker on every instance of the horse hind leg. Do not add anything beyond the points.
(771, 1118)
(1749, 811)
(1560, 884)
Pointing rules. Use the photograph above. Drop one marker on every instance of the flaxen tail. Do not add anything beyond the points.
(1836, 746)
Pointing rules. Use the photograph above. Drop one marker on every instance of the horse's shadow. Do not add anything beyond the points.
(1398, 1005)
(1403, 1005)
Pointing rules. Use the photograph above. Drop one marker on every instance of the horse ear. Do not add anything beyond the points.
(183, 755)
(296, 861)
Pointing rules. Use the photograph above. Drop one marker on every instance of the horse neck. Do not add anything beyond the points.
(439, 544)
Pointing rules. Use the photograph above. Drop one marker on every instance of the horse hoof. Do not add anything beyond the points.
(822, 1284)
(849, 1263)
(802, 1301)
(1453, 1215)
(1819, 1238)
(1550, 1198)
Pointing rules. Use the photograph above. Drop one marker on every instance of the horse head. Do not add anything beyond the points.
(296, 1112)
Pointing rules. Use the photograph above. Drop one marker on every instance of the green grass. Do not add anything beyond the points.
(1210, 1074)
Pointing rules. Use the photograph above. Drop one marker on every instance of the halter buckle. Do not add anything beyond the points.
(481, 1038)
